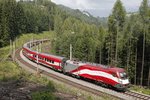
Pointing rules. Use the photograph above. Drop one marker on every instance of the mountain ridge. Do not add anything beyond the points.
(83, 15)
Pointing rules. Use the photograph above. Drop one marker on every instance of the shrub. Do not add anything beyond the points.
(45, 95)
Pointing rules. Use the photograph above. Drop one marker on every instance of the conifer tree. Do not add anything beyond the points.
(115, 26)
(143, 10)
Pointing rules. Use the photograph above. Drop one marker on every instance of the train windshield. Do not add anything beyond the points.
(123, 75)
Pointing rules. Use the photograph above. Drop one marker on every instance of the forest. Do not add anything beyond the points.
(124, 42)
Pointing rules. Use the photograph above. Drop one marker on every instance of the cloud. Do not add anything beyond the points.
(84, 4)
(101, 6)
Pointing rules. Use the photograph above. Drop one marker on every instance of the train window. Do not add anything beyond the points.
(123, 75)
(114, 75)
(53, 62)
(34, 56)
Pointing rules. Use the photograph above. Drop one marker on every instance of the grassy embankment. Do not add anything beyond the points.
(10, 71)
(140, 89)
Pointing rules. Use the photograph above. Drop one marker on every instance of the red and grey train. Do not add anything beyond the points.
(110, 76)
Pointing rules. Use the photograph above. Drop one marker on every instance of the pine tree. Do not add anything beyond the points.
(115, 25)
(143, 10)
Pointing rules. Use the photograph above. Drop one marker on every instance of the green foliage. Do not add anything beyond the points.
(44, 95)
(89, 98)
(9, 71)
(11, 21)
(115, 27)
(81, 35)
(143, 10)
(4, 53)
(140, 89)
(119, 14)
(24, 17)
(50, 87)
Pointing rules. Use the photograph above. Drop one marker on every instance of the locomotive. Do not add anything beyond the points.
(110, 76)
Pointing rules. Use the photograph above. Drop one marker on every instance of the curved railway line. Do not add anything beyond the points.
(90, 87)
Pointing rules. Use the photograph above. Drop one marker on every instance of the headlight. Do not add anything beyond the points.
(120, 81)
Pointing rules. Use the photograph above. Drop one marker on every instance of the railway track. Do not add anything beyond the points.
(137, 96)
(129, 95)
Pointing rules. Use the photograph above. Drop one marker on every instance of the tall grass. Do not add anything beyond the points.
(140, 89)
(4, 53)
(10, 71)
(44, 95)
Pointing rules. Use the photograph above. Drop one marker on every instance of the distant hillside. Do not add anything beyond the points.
(83, 15)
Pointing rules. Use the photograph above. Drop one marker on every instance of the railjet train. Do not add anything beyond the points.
(108, 76)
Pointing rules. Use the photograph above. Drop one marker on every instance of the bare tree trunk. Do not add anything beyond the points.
(100, 55)
(10, 47)
(129, 53)
(108, 56)
(111, 50)
(49, 24)
(135, 64)
(149, 78)
(14, 49)
(116, 53)
(143, 57)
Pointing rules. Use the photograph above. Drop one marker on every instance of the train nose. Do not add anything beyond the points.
(124, 81)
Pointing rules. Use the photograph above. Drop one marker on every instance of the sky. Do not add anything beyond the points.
(101, 8)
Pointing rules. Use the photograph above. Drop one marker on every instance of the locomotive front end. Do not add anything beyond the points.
(123, 81)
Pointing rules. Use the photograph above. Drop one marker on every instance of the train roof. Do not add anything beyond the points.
(88, 64)
(116, 69)
(79, 63)
(112, 68)
(45, 54)
(96, 66)
(53, 56)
